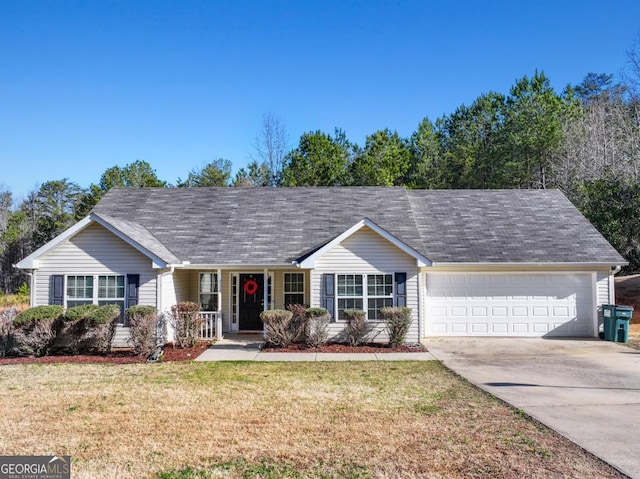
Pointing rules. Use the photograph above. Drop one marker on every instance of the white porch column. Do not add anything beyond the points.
(265, 289)
(421, 308)
(265, 297)
(219, 315)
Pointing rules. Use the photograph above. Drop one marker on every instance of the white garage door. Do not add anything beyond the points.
(509, 304)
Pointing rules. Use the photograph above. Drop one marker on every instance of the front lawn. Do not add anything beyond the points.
(348, 419)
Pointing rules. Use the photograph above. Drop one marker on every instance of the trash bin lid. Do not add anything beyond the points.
(621, 307)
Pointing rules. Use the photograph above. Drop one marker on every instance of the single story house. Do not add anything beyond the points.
(467, 262)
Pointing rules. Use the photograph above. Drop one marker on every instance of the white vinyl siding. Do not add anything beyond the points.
(510, 304)
(602, 288)
(366, 252)
(95, 251)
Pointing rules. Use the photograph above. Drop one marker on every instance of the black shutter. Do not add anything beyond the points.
(401, 289)
(327, 294)
(56, 292)
(133, 284)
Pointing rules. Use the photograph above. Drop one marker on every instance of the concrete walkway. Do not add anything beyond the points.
(587, 390)
(246, 347)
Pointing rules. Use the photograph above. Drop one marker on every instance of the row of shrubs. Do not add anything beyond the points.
(43, 330)
(89, 329)
(311, 325)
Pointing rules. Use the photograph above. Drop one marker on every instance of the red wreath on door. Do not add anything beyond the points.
(250, 286)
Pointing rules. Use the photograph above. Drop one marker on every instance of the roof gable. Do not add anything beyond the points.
(309, 260)
(31, 261)
(135, 236)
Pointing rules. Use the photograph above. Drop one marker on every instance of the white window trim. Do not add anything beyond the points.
(94, 299)
(386, 296)
(284, 288)
(218, 289)
(365, 292)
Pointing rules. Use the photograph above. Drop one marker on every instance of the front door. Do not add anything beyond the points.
(250, 302)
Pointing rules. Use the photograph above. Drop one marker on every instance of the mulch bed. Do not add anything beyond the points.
(345, 348)
(116, 357)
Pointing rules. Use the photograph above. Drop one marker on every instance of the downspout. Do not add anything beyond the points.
(32, 289)
(612, 284)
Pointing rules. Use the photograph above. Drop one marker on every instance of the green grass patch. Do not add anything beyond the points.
(266, 469)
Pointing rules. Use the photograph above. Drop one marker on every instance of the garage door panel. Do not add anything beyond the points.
(499, 311)
(499, 328)
(459, 328)
(510, 304)
(540, 328)
(561, 312)
(479, 311)
(521, 328)
(479, 328)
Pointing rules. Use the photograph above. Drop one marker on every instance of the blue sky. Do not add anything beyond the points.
(86, 85)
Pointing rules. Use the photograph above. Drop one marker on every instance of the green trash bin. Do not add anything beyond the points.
(609, 317)
(623, 315)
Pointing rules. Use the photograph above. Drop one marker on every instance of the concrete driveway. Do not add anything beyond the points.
(587, 390)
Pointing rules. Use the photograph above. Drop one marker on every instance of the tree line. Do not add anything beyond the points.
(584, 141)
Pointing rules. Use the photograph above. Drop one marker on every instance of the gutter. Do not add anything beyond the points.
(530, 265)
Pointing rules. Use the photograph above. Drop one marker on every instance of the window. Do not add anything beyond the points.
(111, 290)
(208, 291)
(370, 292)
(379, 294)
(349, 293)
(293, 288)
(79, 290)
(110, 287)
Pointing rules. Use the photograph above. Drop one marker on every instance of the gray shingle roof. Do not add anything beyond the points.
(142, 236)
(274, 226)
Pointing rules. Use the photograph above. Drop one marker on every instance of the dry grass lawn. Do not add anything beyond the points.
(358, 419)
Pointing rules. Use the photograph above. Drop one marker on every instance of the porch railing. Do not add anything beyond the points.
(211, 327)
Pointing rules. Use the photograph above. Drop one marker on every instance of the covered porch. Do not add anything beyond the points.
(231, 300)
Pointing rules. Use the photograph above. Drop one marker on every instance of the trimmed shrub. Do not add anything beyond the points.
(356, 327)
(79, 312)
(39, 313)
(71, 329)
(104, 314)
(142, 328)
(298, 321)
(87, 329)
(277, 327)
(100, 329)
(397, 322)
(6, 331)
(186, 321)
(317, 327)
(34, 329)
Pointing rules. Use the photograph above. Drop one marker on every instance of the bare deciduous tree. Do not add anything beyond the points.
(271, 146)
